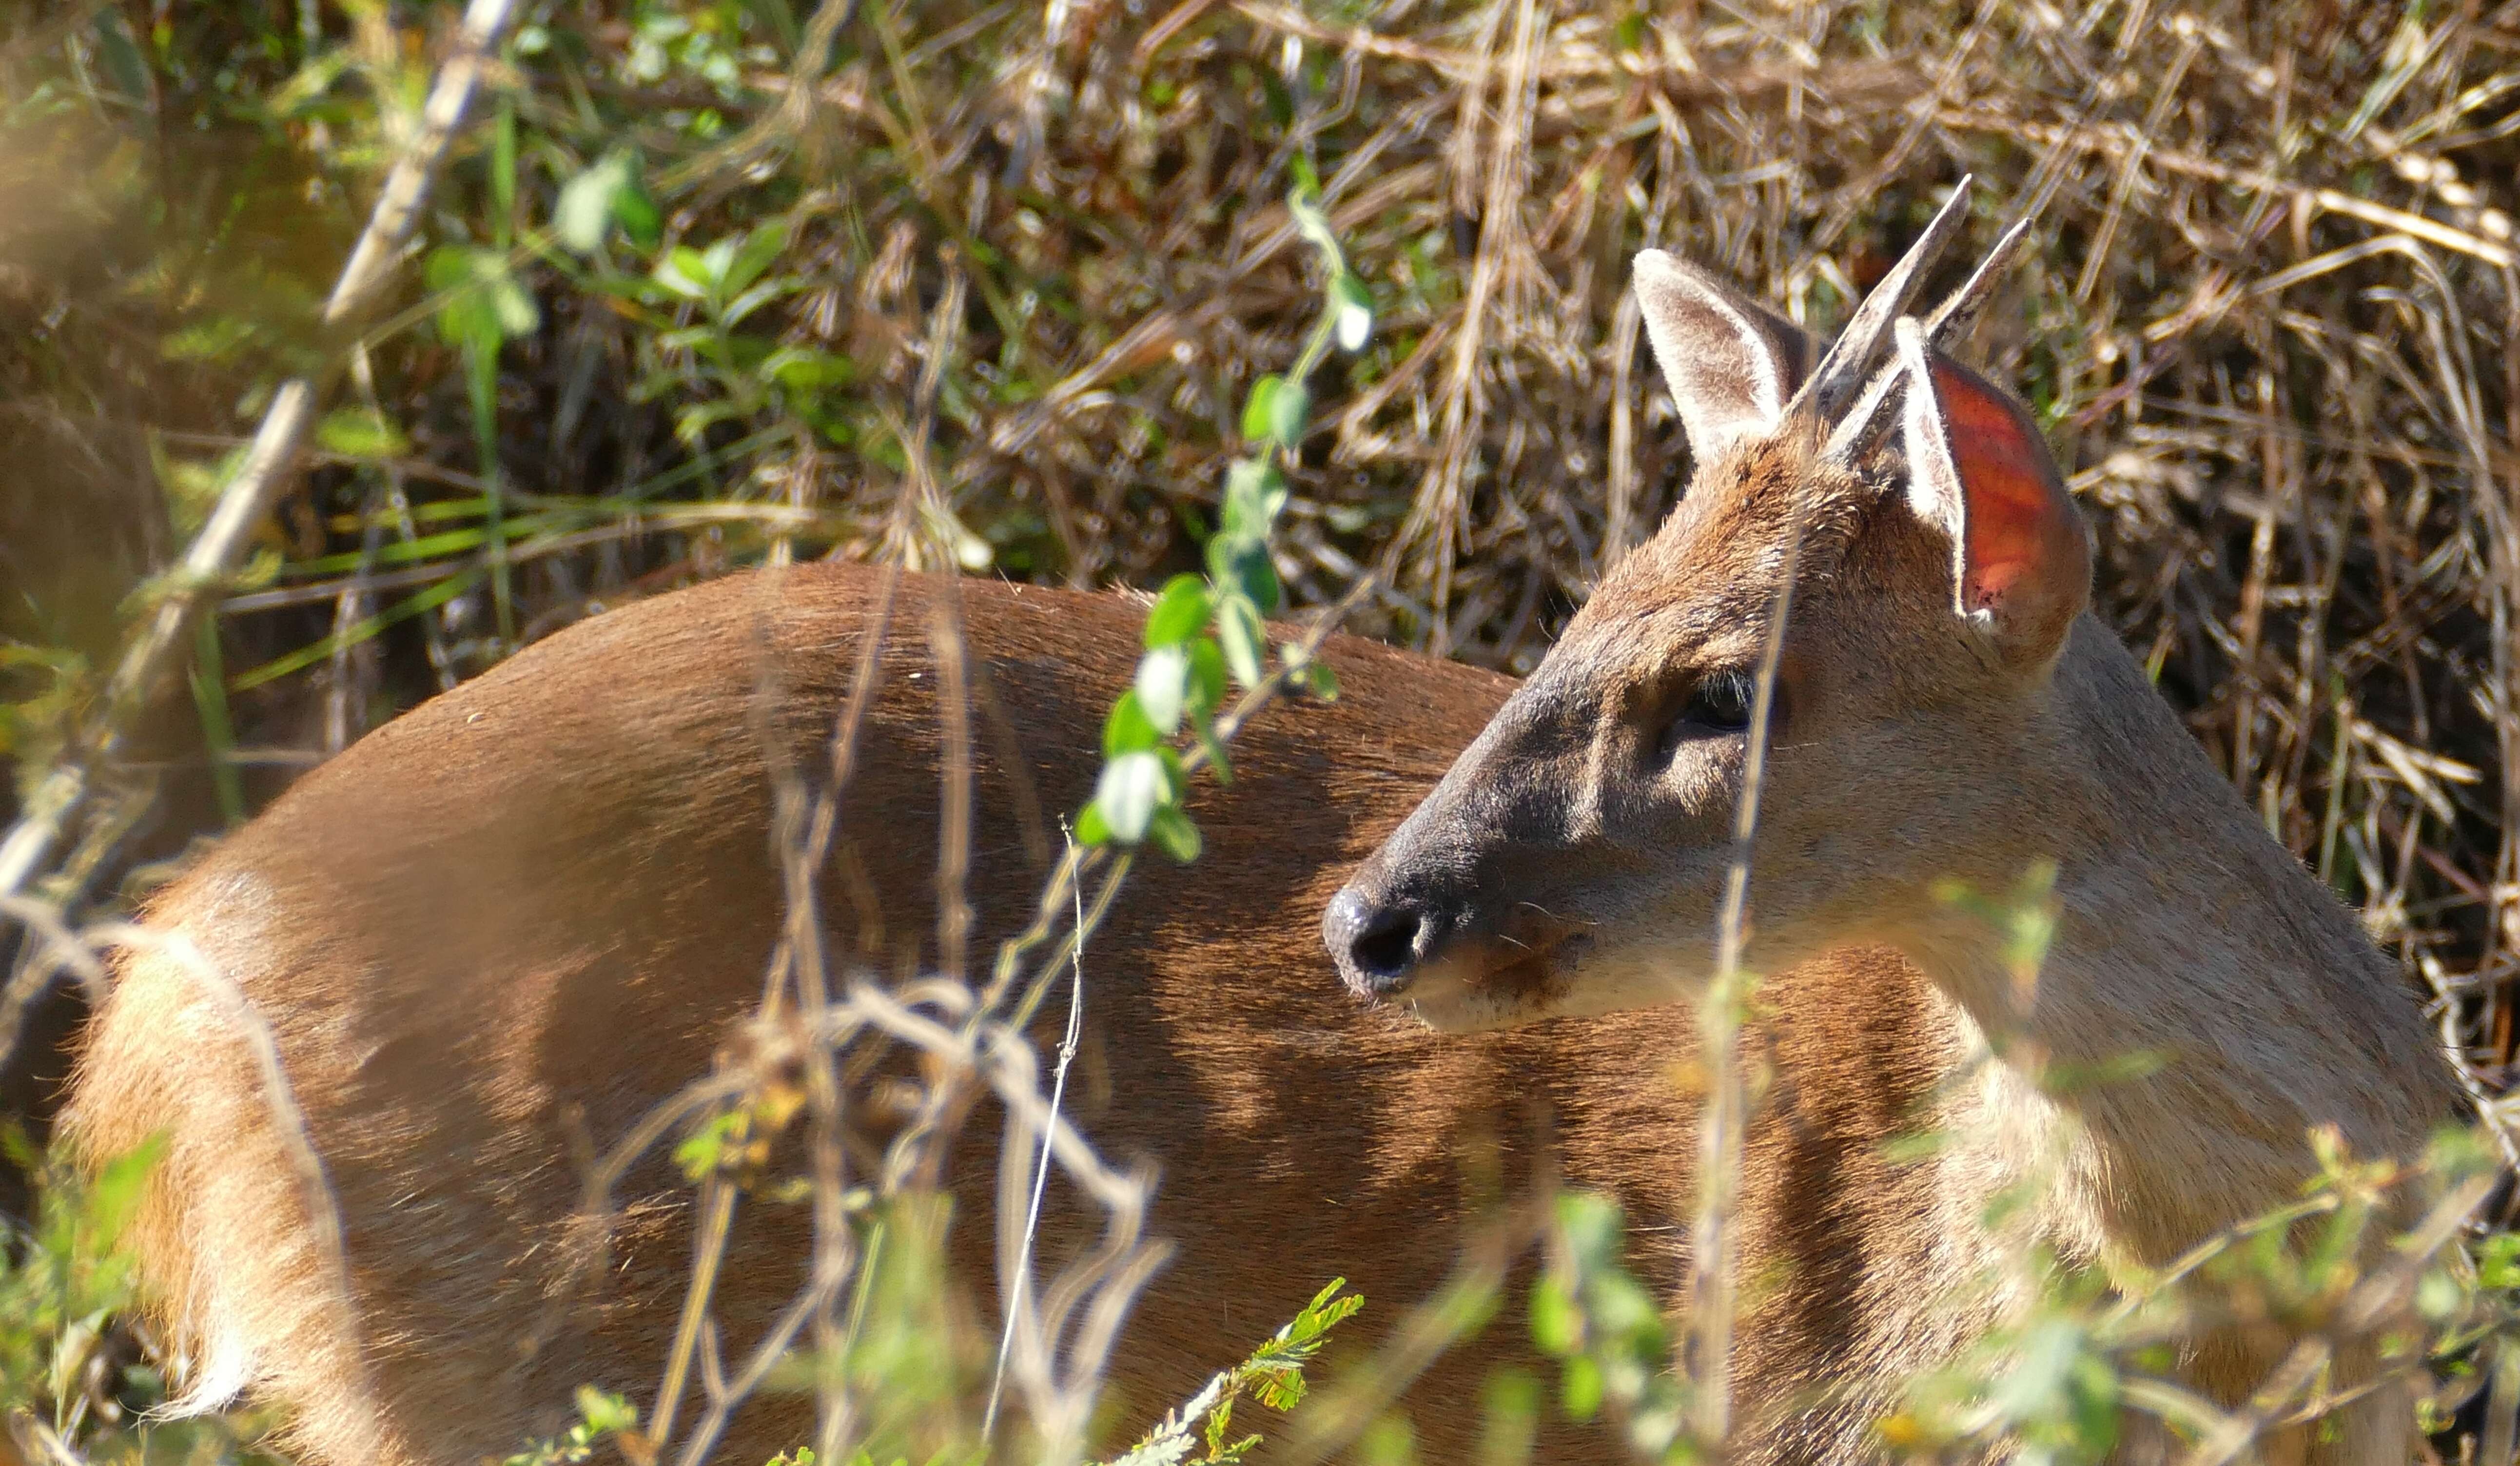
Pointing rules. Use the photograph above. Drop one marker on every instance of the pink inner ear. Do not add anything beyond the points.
(1988, 583)
(2012, 495)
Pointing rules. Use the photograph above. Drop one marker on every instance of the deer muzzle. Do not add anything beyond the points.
(1448, 972)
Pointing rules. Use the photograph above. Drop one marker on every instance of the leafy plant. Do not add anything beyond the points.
(599, 1414)
(1203, 628)
(1201, 1429)
(73, 1387)
(1607, 1331)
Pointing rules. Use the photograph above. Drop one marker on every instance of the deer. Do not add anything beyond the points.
(507, 925)
(1941, 706)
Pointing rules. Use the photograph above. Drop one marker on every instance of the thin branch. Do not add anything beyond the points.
(1020, 1270)
(1723, 1118)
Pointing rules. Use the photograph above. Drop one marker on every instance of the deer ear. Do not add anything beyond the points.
(1731, 365)
(1978, 471)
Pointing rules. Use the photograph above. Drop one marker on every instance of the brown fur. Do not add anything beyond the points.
(547, 898)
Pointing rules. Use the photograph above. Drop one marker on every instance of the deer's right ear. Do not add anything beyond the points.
(1731, 365)
(1978, 471)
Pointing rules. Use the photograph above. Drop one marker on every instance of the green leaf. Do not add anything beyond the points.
(1325, 682)
(1207, 677)
(1355, 312)
(1256, 494)
(1326, 1310)
(1259, 581)
(686, 272)
(639, 217)
(114, 1194)
(1179, 612)
(715, 262)
(604, 1411)
(1510, 1414)
(1132, 787)
(2036, 1378)
(1163, 687)
(585, 208)
(1224, 558)
(1590, 1228)
(1274, 411)
(484, 302)
(356, 432)
(1279, 100)
(1217, 763)
(514, 307)
(464, 318)
(2497, 1261)
(760, 250)
(1556, 1324)
(448, 267)
(1239, 636)
(804, 369)
(216, 338)
(693, 423)
(1288, 408)
(1237, 554)
(1129, 730)
(1580, 1388)
(1091, 828)
(1172, 831)
(1260, 409)
(468, 320)
(503, 168)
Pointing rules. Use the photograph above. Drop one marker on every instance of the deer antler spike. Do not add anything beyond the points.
(1850, 357)
(1957, 312)
(1948, 320)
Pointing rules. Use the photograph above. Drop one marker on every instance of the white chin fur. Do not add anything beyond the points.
(1600, 982)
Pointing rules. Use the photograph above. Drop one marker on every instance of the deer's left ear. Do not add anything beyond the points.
(1732, 365)
(1977, 469)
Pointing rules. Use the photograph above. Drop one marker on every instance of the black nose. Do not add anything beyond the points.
(1374, 942)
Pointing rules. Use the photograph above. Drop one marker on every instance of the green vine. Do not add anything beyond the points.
(1203, 629)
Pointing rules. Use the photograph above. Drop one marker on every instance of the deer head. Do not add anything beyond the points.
(1573, 858)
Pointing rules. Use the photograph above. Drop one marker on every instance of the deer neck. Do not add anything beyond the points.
(2203, 1002)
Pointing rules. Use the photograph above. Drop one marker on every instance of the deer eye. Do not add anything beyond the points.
(1717, 707)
